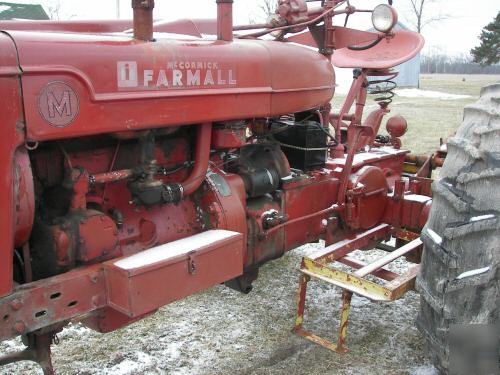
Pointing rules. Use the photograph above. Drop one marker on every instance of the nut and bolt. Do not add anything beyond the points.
(16, 304)
(95, 300)
(19, 327)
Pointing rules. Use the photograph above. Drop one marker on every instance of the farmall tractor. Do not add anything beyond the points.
(145, 161)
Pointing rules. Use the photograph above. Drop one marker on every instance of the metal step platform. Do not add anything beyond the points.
(324, 265)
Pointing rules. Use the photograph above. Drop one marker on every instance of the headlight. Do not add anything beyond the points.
(384, 18)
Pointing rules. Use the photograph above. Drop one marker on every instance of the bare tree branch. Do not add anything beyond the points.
(437, 18)
(419, 17)
(54, 11)
(267, 8)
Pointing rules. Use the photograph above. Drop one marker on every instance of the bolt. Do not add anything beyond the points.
(19, 327)
(95, 300)
(16, 304)
(94, 279)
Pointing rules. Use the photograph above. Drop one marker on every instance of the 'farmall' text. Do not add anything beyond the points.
(176, 74)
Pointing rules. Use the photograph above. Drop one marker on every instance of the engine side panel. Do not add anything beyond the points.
(137, 85)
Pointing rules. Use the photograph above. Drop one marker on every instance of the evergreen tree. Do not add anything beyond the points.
(488, 53)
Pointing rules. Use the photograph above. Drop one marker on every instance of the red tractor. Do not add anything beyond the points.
(143, 162)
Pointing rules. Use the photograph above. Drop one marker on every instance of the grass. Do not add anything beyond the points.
(432, 119)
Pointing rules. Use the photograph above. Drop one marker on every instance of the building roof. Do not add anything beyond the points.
(9, 11)
(401, 26)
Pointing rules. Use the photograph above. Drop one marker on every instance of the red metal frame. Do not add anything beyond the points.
(140, 84)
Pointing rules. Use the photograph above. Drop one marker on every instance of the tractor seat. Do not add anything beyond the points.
(386, 54)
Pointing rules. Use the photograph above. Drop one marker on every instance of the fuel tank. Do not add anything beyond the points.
(83, 84)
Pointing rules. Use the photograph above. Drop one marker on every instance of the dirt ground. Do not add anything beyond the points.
(221, 331)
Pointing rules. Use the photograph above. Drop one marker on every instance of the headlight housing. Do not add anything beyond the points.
(384, 18)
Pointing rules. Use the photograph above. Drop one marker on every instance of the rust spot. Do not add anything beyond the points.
(19, 327)
(16, 304)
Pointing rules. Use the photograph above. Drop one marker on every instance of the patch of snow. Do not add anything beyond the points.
(270, 212)
(417, 93)
(320, 252)
(199, 334)
(390, 150)
(417, 198)
(373, 154)
(472, 273)
(424, 370)
(338, 170)
(391, 242)
(359, 301)
(434, 236)
(14, 344)
(166, 35)
(358, 158)
(3, 8)
(173, 249)
(129, 366)
(482, 217)
(172, 349)
(74, 330)
(308, 249)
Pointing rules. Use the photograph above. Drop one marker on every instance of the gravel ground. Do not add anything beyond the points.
(221, 331)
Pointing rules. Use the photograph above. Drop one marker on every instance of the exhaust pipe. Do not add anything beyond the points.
(225, 20)
(143, 19)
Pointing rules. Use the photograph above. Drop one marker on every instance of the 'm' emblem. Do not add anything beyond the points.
(58, 104)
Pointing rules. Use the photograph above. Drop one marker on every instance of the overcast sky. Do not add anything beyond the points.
(455, 35)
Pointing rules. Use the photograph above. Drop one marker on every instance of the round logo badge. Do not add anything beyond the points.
(58, 104)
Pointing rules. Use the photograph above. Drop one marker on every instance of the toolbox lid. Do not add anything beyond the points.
(174, 249)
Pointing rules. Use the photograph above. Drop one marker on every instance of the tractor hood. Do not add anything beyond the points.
(77, 84)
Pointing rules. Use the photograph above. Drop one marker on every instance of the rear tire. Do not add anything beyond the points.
(463, 231)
